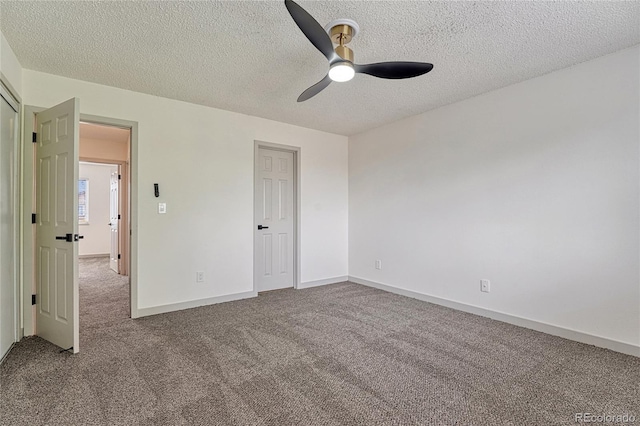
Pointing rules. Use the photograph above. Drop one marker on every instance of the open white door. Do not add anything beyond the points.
(57, 313)
(114, 219)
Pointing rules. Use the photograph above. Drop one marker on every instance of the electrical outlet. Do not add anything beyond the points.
(378, 264)
(200, 276)
(162, 208)
(485, 286)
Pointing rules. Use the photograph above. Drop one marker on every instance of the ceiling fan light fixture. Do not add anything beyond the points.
(341, 63)
(341, 72)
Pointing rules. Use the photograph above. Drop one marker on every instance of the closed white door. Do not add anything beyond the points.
(114, 219)
(57, 314)
(8, 209)
(274, 203)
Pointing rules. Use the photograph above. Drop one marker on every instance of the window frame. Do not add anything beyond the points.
(84, 219)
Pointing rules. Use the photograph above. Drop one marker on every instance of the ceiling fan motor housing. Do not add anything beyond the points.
(353, 28)
(345, 53)
(341, 34)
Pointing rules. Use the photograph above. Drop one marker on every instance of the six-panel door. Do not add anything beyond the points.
(275, 213)
(57, 311)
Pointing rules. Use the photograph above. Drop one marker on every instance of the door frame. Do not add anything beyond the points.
(28, 197)
(17, 223)
(296, 151)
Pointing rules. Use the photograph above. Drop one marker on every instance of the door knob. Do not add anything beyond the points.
(70, 237)
(262, 227)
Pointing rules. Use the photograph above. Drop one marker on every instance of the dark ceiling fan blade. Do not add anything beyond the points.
(315, 89)
(395, 70)
(312, 29)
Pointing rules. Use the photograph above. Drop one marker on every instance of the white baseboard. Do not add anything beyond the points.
(87, 256)
(6, 354)
(317, 283)
(163, 309)
(578, 336)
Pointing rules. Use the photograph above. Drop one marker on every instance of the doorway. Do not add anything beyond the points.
(103, 215)
(98, 211)
(110, 146)
(127, 235)
(276, 212)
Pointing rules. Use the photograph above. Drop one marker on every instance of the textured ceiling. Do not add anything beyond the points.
(250, 57)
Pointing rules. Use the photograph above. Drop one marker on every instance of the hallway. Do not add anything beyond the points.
(104, 295)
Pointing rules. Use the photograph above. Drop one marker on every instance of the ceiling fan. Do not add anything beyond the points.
(341, 65)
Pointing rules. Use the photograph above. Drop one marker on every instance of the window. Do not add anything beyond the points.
(83, 201)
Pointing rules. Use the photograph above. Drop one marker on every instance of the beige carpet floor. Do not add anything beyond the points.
(341, 354)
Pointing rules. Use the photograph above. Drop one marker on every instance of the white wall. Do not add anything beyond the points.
(534, 186)
(203, 160)
(9, 66)
(97, 233)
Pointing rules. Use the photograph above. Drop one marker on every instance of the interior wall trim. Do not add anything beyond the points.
(578, 336)
(326, 281)
(154, 310)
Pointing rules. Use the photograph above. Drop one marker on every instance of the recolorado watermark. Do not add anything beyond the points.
(604, 418)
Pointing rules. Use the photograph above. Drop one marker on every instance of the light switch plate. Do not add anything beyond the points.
(162, 208)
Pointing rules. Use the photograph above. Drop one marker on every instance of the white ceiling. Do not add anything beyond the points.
(250, 57)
